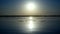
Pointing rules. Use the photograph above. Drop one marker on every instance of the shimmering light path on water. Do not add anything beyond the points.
(29, 25)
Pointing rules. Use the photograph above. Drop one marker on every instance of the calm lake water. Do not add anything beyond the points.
(29, 25)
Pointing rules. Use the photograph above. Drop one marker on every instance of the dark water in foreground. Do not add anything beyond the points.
(27, 25)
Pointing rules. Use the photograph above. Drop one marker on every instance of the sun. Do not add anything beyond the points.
(30, 6)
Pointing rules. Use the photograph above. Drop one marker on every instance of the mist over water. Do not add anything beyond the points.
(29, 25)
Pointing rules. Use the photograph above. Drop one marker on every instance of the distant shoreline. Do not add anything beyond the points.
(29, 15)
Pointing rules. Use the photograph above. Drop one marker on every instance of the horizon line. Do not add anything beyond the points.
(29, 15)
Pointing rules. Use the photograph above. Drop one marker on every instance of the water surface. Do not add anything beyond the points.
(29, 25)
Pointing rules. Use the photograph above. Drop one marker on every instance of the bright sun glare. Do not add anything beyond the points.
(30, 18)
(30, 6)
(30, 25)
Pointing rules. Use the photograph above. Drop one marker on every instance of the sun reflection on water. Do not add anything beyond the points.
(30, 23)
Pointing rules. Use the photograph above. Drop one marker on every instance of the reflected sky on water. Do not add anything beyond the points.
(29, 25)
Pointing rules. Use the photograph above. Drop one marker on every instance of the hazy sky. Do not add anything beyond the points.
(14, 6)
(50, 25)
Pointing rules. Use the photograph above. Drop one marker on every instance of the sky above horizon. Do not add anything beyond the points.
(14, 7)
